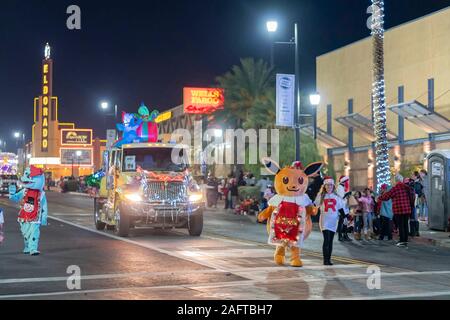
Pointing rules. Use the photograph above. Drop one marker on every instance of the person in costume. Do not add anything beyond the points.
(290, 210)
(331, 206)
(33, 207)
(343, 191)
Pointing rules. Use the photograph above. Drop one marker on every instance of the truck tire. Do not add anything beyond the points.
(122, 228)
(99, 225)
(195, 225)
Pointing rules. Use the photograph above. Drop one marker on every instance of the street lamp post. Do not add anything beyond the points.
(314, 100)
(272, 27)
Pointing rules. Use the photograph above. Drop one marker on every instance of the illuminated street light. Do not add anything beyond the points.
(272, 26)
(104, 105)
(16, 134)
(314, 99)
(78, 153)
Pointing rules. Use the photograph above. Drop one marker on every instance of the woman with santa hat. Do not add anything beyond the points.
(331, 206)
(343, 191)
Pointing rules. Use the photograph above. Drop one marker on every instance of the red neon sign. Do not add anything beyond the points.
(203, 100)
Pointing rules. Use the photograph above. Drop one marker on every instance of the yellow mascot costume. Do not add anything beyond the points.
(290, 210)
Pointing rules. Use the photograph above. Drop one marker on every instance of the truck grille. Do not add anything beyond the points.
(158, 191)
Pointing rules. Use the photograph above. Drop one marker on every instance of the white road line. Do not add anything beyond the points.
(182, 272)
(221, 285)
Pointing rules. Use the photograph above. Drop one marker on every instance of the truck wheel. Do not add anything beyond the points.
(99, 225)
(122, 228)
(195, 225)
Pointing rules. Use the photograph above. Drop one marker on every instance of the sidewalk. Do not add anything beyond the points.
(427, 236)
(435, 238)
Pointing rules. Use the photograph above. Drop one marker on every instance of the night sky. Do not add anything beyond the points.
(132, 51)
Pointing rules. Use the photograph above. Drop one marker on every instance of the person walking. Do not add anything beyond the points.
(386, 214)
(233, 193)
(400, 195)
(331, 205)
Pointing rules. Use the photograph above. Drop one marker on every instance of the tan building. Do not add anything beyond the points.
(417, 77)
(60, 148)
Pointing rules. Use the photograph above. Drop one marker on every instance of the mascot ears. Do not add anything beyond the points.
(271, 165)
(313, 168)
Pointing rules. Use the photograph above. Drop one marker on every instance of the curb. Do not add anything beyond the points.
(79, 194)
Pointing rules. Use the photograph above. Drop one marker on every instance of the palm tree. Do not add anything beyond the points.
(249, 95)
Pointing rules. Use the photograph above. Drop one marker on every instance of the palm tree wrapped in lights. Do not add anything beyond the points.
(383, 174)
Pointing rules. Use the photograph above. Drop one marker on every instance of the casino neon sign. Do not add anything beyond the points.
(45, 107)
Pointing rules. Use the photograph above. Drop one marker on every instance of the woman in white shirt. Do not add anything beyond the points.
(331, 205)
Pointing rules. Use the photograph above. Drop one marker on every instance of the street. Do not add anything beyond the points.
(231, 260)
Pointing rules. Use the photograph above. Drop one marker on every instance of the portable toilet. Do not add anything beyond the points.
(438, 193)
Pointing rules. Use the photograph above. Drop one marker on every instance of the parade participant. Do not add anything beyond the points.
(33, 208)
(343, 191)
(2, 221)
(385, 211)
(289, 210)
(331, 206)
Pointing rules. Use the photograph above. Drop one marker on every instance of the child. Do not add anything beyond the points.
(368, 213)
(386, 215)
(2, 221)
(331, 206)
(358, 212)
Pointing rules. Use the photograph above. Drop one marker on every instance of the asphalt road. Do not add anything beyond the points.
(231, 260)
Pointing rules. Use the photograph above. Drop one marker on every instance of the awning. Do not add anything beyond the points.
(426, 119)
(328, 141)
(362, 126)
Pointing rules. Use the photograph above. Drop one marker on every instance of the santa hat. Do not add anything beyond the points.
(297, 165)
(328, 180)
(343, 179)
(35, 171)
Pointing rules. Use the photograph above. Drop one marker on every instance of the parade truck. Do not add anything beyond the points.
(148, 185)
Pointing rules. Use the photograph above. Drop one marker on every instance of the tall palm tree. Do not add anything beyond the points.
(383, 174)
(249, 89)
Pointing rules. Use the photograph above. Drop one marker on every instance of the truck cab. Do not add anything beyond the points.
(148, 185)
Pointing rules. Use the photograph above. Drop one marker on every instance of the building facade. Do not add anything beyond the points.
(417, 77)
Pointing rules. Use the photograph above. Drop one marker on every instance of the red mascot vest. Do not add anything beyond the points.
(287, 222)
(30, 205)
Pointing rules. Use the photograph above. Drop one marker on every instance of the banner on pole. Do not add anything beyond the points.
(285, 100)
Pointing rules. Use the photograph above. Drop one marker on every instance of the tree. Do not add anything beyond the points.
(248, 88)
(378, 95)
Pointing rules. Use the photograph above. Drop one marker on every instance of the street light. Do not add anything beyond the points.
(272, 26)
(105, 106)
(314, 100)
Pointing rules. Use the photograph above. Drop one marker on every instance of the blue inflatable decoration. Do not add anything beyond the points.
(129, 129)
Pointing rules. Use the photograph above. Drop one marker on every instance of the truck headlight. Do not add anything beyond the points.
(133, 197)
(195, 197)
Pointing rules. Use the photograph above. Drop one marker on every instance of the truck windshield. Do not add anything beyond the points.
(151, 159)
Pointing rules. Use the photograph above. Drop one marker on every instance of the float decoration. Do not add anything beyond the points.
(138, 127)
